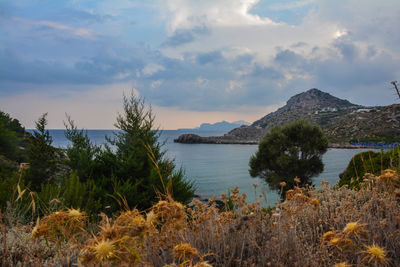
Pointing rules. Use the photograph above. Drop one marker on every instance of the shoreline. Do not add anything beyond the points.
(224, 140)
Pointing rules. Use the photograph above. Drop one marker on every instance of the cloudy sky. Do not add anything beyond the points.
(194, 61)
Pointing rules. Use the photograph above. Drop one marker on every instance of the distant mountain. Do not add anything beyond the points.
(222, 126)
(341, 120)
(314, 105)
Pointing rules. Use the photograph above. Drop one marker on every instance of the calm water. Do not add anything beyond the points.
(217, 168)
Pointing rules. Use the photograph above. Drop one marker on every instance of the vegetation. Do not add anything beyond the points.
(42, 156)
(294, 149)
(11, 137)
(131, 168)
(326, 227)
(369, 162)
(144, 218)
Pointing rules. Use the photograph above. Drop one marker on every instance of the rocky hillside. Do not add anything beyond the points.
(314, 105)
(341, 120)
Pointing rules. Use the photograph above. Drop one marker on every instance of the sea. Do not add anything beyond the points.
(217, 168)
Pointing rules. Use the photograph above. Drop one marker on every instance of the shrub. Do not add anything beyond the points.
(369, 162)
(324, 227)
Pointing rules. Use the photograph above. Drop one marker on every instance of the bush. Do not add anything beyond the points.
(311, 227)
(369, 162)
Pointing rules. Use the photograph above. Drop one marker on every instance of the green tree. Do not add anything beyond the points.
(135, 160)
(42, 156)
(288, 151)
(82, 153)
(131, 164)
(11, 137)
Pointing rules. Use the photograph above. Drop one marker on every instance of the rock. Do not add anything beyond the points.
(241, 135)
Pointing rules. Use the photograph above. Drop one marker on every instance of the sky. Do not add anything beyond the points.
(193, 61)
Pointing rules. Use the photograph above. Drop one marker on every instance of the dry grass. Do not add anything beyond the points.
(326, 227)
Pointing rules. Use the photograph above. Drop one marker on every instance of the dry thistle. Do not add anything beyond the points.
(342, 264)
(103, 250)
(328, 236)
(376, 255)
(76, 214)
(184, 252)
(356, 229)
(340, 242)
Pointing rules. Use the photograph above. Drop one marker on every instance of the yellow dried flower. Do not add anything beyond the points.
(376, 255)
(354, 228)
(289, 194)
(328, 236)
(282, 184)
(340, 242)
(342, 264)
(75, 214)
(184, 251)
(334, 241)
(297, 180)
(315, 202)
(103, 250)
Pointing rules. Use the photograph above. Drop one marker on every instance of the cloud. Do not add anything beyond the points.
(202, 56)
(184, 36)
(54, 27)
(100, 69)
(210, 57)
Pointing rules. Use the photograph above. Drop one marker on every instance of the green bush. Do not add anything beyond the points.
(369, 162)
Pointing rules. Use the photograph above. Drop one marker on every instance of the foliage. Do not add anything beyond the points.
(132, 164)
(82, 153)
(325, 227)
(131, 169)
(288, 151)
(11, 137)
(369, 162)
(43, 157)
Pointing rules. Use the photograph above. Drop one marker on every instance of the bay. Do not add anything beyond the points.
(215, 169)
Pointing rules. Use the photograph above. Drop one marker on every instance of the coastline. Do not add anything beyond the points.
(231, 140)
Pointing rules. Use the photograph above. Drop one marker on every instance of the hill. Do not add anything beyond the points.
(341, 120)
(219, 126)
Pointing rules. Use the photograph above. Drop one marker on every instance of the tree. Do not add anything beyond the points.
(131, 164)
(136, 162)
(288, 151)
(42, 156)
(11, 137)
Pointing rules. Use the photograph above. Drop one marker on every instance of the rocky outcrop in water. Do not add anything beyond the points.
(241, 135)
